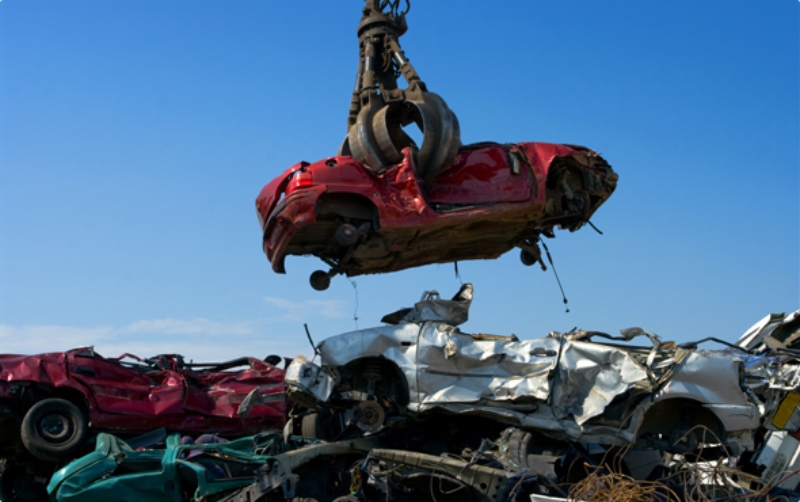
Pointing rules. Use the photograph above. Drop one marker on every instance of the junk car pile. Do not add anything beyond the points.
(52, 405)
(416, 409)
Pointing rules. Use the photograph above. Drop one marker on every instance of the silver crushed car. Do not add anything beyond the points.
(566, 386)
(773, 368)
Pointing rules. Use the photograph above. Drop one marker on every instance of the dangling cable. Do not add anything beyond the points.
(550, 259)
(594, 227)
(355, 311)
(458, 274)
(311, 341)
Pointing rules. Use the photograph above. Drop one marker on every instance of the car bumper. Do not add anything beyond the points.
(290, 216)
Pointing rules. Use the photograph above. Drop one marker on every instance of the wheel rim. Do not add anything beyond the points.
(346, 234)
(56, 428)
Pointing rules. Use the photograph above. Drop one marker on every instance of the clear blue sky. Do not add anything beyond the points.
(136, 136)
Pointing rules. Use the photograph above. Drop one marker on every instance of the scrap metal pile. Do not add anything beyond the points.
(416, 409)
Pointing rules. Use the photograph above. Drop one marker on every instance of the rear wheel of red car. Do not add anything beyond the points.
(53, 429)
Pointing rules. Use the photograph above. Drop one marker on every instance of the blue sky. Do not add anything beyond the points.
(136, 136)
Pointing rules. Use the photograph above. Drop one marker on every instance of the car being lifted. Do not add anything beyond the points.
(492, 198)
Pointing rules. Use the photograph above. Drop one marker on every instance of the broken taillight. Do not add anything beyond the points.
(300, 179)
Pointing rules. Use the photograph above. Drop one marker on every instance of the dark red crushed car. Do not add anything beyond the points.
(493, 197)
(51, 403)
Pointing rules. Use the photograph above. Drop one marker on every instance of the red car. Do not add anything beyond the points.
(493, 197)
(50, 403)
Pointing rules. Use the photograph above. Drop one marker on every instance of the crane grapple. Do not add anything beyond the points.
(380, 109)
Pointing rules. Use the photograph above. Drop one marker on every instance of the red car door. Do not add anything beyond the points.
(485, 174)
(128, 389)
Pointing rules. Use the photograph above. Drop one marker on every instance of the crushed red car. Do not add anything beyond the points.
(51, 403)
(492, 198)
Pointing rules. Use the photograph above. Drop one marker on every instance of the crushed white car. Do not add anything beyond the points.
(566, 386)
(773, 369)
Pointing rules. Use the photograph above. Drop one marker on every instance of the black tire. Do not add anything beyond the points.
(319, 280)
(53, 429)
(520, 445)
(346, 234)
(684, 439)
(18, 485)
(527, 258)
(309, 425)
(530, 450)
(324, 424)
(273, 359)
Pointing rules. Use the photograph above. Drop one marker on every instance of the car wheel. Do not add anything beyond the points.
(519, 446)
(528, 258)
(683, 439)
(19, 485)
(324, 424)
(534, 451)
(346, 234)
(309, 425)
(53, 429)
(273, 359)
(320, 280)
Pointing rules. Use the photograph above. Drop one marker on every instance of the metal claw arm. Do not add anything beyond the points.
(379, 109)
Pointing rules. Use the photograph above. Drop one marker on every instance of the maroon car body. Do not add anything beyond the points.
(129, 395)
(50, 404)
(492, 198)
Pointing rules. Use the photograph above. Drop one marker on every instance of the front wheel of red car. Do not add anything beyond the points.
(53, 429)
(527, 258)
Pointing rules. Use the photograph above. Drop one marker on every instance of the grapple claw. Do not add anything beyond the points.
(361, 138)
(380, 110)
(387, 125)
(441, 136)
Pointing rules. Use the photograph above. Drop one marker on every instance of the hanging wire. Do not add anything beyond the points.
(311, 341)
(550, 259)
(458, 274)
(594, 227)
(355, 311)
